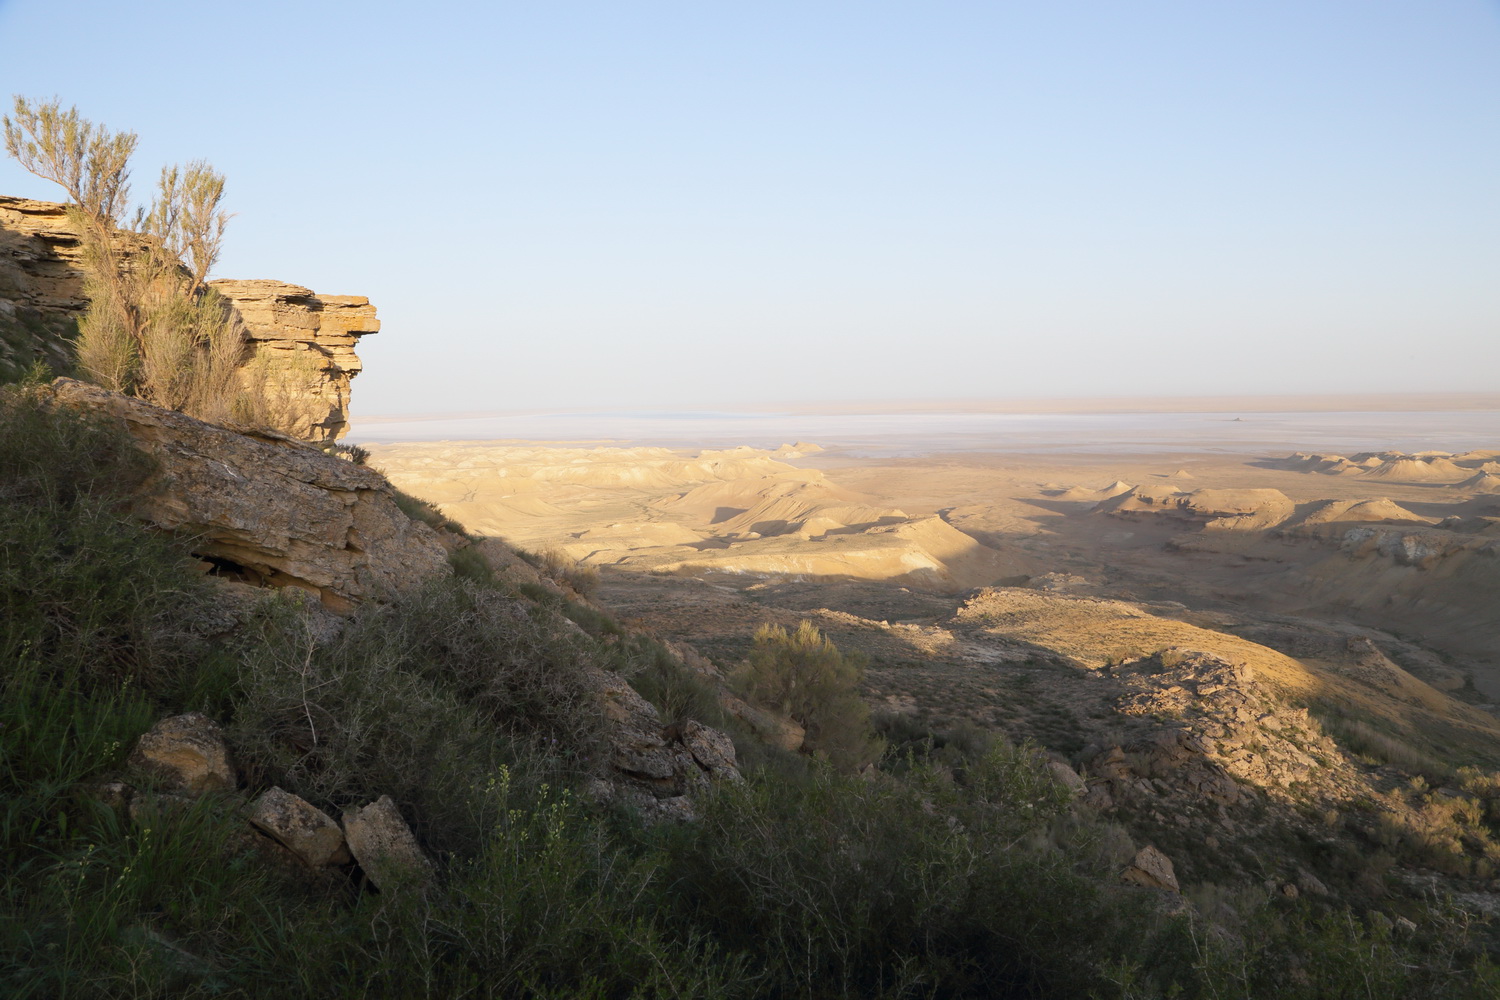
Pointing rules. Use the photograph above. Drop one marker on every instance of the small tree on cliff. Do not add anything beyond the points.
(152, 327)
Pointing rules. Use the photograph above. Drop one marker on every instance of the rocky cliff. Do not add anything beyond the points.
(299, 345)
(302, 346)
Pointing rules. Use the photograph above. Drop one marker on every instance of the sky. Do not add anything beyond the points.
(686, 205)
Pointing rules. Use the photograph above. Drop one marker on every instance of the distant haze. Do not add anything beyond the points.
(678, 205)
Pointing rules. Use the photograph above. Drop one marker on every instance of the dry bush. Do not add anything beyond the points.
(152, 327)
(804, 676)
(564, 569)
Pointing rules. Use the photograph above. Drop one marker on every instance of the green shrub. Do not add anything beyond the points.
(803, 675)
(421, 510)
(421, 700)
(843, 887)
(469, 564)
(83, 589)
(662, 679)
(562, 568)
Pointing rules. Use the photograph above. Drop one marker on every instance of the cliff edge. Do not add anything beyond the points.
(298, 345)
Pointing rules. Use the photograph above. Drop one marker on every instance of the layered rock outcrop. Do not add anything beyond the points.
(654, 767)
(301, 351)
(299, 345)
(271, 510)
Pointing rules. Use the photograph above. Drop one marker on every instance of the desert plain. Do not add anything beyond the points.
(1008, 581)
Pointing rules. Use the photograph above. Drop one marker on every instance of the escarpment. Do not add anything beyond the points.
(298, 345)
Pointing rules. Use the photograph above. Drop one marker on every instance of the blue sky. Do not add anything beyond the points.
(662, 204)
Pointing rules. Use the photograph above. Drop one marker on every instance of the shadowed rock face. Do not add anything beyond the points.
(271, 510)
(299, 345)
(41, 284)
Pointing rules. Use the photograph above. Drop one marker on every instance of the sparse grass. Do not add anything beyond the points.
(427, 513)
(1364, 739)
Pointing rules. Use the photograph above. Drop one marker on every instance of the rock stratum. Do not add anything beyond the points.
(299, 345)
(270, 510)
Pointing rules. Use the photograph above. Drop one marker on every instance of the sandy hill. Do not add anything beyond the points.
(1484, 482)
(739, 511)
(1417, 470)
(1381, 510)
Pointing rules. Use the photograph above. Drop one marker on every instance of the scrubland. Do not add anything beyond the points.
(934, 858)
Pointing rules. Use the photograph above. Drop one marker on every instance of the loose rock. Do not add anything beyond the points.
(187, 753)
(1151, 868)
(301, 827)
(383, 845)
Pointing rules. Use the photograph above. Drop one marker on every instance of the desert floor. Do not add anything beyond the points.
(968, 577)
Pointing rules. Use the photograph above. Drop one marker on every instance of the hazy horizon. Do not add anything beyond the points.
(674, 206)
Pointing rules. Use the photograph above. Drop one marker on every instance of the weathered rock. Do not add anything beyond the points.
(41, 283)
(114, 795)
(186, 753)
(1067, 777)
(383, 845)
(301, 827)
(302, 349)
(1311, 884)
(1214, 510)
(771, 727)
(664, 761)
(269, 510)
(150, 808)
(299, 346)
(711, 750)
(1151, 868)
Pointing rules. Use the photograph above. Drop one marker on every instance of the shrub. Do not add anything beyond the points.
(421, 699)
(662, 679)
(803, 675)
(843, 887)
(564, 569)
(82, 589)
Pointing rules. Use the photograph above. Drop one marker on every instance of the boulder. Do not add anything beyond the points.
(1067, 777)
(300, 827)
(268, 510)
(186, 753)
(384, 846)
(1152, 869)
